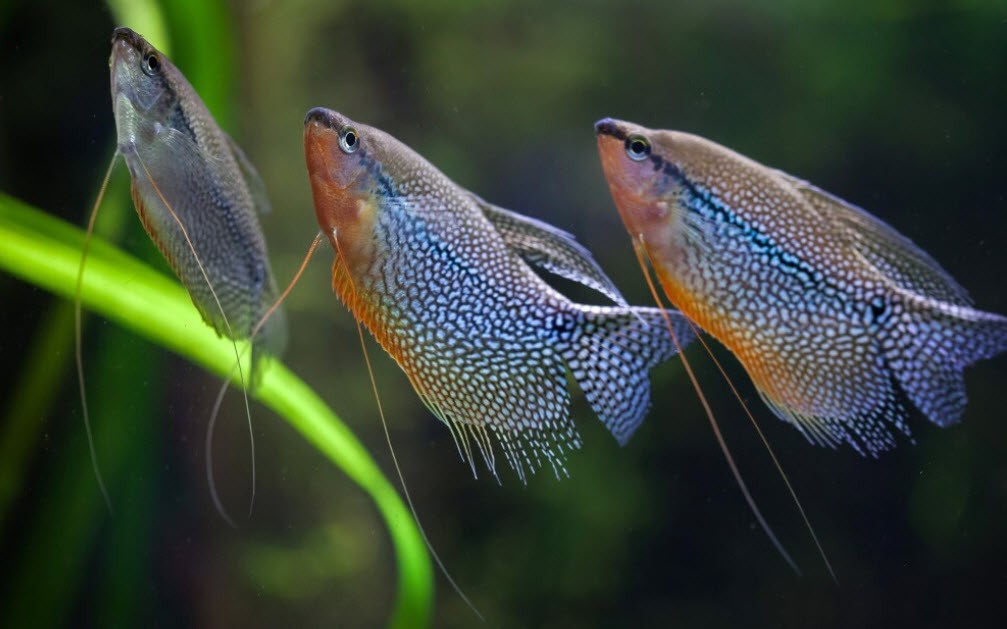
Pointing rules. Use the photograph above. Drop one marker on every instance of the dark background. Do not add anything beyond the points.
(897, 106)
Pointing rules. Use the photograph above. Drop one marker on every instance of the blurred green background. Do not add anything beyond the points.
(895, 105)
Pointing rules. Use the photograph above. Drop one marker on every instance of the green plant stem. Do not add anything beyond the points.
(45, 251)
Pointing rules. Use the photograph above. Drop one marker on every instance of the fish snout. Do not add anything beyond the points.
(127, 36)
(125, 45)
(331, 144)
(609, 127)
(128, 47)
(612, 140)
(319, 115)
(333, 163)
(124, 65)
(325, 118)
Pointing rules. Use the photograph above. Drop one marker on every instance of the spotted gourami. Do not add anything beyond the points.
(197, 196)
(195, 192)
(838, 319)
(442, 280)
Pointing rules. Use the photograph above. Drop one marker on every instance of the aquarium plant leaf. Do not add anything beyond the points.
(45, 251)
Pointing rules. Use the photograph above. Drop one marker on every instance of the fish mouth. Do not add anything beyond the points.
(134, 93)
(612, 137)
(320, 115)
(124, 57)
(320, 130)
(127, 44)
(128, 36)
(127, 48)
(610, 142)
(324, 117)
(120, 57)
(609, 127)
(126, 78)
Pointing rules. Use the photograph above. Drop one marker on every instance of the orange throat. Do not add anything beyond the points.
(756, 361)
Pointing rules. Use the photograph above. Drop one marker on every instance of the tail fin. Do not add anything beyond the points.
(612, 357)
(930, 346)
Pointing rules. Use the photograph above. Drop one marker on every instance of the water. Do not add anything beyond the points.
(900, 113)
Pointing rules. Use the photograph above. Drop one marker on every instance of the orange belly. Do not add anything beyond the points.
(766, 368)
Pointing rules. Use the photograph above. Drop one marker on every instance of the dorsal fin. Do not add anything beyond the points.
(550, 248)
(891, 253)
(251, 177)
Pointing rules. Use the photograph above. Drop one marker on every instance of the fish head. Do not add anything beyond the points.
(647, 172)
(630, 158)
(345, 169)
(146, 87)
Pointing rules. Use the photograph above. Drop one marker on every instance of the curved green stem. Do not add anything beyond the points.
(45, 251)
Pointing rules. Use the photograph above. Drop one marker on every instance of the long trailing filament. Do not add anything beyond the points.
(211, 427)
(230, 334)
(78, 342)
(391, 448)
(640, 249)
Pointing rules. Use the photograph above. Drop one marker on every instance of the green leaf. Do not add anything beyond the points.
(45, 251)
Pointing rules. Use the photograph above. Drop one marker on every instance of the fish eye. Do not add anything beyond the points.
(637, 148)
(349, 140)
(151, 64)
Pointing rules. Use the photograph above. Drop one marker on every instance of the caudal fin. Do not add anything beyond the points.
(930, 347)
(612, 357)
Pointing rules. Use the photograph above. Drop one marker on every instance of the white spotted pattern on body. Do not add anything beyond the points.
(442, 280)
(835, 315)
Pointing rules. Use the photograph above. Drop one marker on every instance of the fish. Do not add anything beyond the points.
(842, 323)
(198, 197)
(444, 281)
(196, 193)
